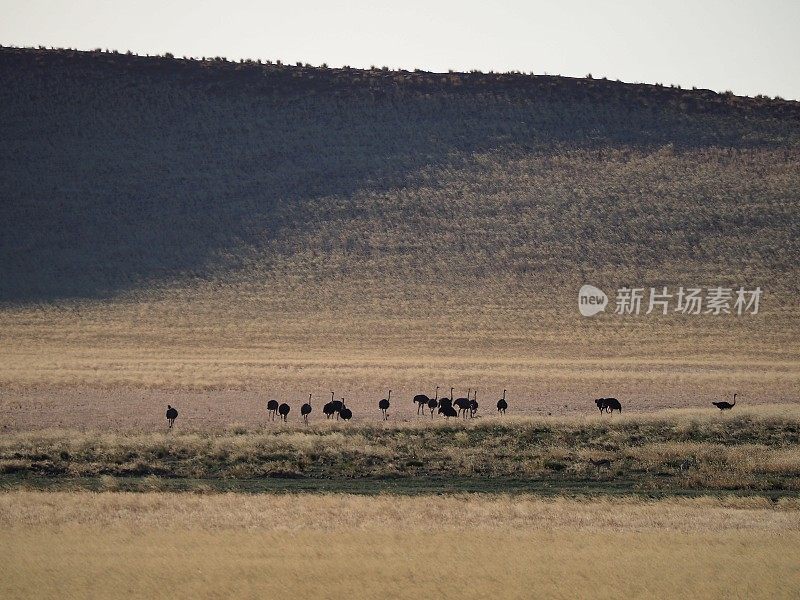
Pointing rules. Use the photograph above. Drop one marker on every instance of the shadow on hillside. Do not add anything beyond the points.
(108, 183)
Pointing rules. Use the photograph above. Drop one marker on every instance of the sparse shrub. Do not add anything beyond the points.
(746, 454)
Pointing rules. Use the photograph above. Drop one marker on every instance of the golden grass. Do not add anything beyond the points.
(122, 377)
(246, 338)
(305, 242)
(434, 513)
(88, 562)
(219, 359)
(188, 546)
(464, 276)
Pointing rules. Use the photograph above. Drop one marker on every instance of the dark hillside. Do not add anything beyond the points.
(118, 172)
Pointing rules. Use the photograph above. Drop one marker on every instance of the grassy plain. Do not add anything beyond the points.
(159, 545)
(211, 234)
(752, 451)
(218, 355)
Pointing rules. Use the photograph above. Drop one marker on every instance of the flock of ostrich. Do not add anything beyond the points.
(463, 407)
(448, 407)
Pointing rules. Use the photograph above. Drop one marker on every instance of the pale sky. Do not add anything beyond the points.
(748, 47)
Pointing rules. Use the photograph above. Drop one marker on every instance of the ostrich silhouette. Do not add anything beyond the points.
(345, 412)
(502, 405)
(473, 405)
(463, 403)
(328, 409)
(306, 409)
(449, 411)
(337, 406)
(722, 405)
(446, 405)
(172, 414)
(384, 406)
(434, 402)
(272, 409)
(283, 411)
(421, 401)
(447, 401)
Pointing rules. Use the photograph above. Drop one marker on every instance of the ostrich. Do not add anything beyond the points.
(328, 409)
(283, 411)
(502, 405)
(306, 409)
(434, 402)
(601, 404)
(172, 414)
(722, 405)
(345, 412)
(613, 404)
(449, 411)
(384, 406)
(446, 404)
(272, 408)
(473, 405)
(463, 403)
(422, 400)
(337, 406)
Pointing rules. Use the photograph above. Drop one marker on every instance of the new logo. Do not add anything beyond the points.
(591, 300)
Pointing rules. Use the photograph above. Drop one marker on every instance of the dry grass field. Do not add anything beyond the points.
(156, 545)
(211, 234)
(218, 358)
(84, 370)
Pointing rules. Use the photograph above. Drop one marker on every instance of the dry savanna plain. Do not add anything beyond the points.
(213, 234)
(161, 545)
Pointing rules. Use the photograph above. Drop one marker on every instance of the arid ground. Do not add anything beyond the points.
(212, 235)
(220, 358)
(158, 545)
(235, 232)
